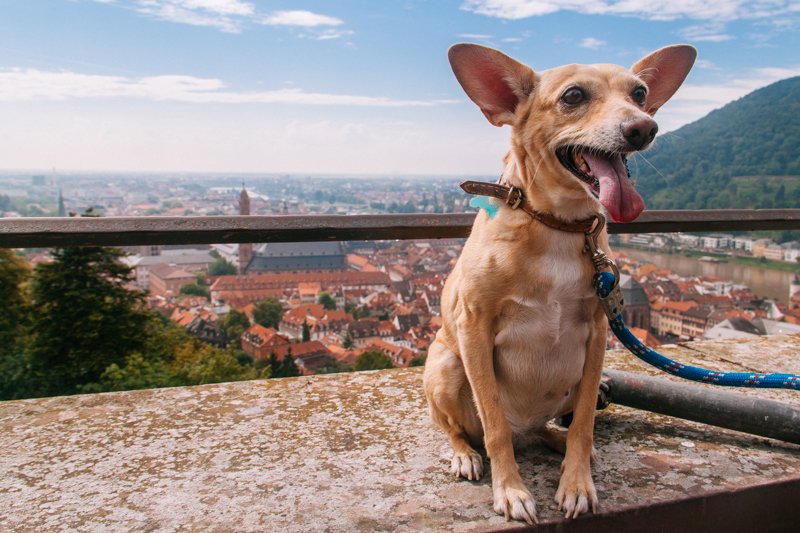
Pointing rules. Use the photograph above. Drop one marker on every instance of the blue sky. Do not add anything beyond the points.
(332, 86)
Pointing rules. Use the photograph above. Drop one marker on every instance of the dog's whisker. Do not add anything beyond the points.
(536, 170)
(651, 164)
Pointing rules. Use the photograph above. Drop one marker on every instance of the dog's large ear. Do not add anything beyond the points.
(492, 80)
(664, 71)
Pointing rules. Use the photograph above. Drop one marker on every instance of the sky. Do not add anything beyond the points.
(340, 87)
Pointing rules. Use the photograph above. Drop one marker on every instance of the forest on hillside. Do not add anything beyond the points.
(743, 155)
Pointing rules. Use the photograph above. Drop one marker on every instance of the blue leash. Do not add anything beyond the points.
(605, 284)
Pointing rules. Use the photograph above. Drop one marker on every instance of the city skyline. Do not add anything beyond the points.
(315, 87)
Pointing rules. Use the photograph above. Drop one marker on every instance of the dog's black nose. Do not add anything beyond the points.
(639, 132)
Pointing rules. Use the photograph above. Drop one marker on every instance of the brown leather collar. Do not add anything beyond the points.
(515, 199)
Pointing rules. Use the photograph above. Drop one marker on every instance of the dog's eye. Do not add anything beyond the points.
(639, 95)
(573, 96)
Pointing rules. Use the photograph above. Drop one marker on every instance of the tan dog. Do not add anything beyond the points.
(523, 337)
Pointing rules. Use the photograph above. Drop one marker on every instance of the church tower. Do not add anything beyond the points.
(245, 248)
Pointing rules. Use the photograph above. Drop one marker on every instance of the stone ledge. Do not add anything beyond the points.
(342, 453)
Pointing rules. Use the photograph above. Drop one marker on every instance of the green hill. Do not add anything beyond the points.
(743, 155)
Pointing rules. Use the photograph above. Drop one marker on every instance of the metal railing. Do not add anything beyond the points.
(127, 231)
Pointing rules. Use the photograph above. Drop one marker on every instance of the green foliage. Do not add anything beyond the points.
(268, 313)
(347, 343)
(14, 321)
(179, 360)
(356, 311)
(327, 301)
(332, 366)
(221, 267)
(196, 363)
(137, 372)
(744, 155)
(306, 332)
(194, 289)
(418, 360)
(76, 327)
(234, 324)
(285, 368)
(371, 360)
(84, 318)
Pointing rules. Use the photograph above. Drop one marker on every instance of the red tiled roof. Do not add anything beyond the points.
(301, 349)
(268, 336)
(398, 354)
(314, 312)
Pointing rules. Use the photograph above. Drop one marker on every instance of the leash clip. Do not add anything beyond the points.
(612, 303)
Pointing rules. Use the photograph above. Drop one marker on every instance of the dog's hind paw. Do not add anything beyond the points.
(576, 493)
(467, 465)
(516, 503)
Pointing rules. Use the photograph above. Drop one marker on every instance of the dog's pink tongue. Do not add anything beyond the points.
(616, 191)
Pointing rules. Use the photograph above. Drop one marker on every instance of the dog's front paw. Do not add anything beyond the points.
(514, 501)
(576, 492)
(468, 465)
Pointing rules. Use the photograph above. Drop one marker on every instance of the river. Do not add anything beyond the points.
(763, 281)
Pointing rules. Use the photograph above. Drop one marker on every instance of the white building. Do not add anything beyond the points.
(716, 241)
(743, 243)
(688, 240)
(791, 251)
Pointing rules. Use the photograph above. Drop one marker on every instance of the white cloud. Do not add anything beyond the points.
(32, 84)
(232, 15)
(651, 9)
(225, 15)
(710, 32)
(305, 19)
(328, 34)
(475, 36)
(592, 43)
(705, 64)
(311, 25)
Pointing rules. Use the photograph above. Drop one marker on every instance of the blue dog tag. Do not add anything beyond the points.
(485, 203)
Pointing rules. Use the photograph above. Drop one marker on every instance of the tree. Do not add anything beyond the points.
(14, 319)
(173, 358)
(327, 301)
(234, 324)
(347, 343)
(84, 318)
(418, 360)
(195, 289)
(197, 363)
(283, 368)
(137, 372)
(288, 367)
(268, 313)
(372, 360)
(221, 267)
(332, 366)
(306, 332)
